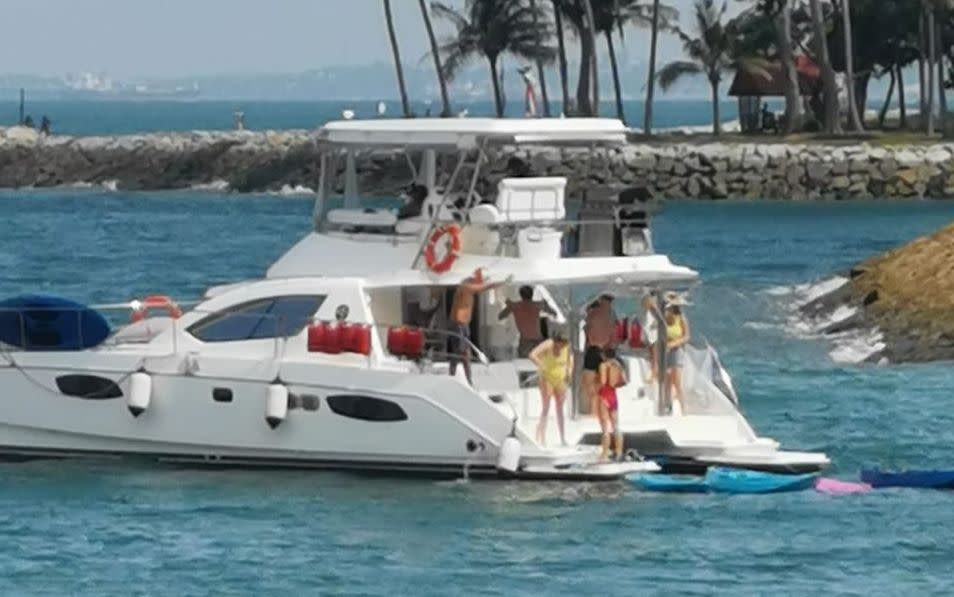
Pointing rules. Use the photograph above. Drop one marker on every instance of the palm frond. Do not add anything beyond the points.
(446, 13)
(672, 72)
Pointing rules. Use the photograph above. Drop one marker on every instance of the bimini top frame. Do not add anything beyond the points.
(471, 133)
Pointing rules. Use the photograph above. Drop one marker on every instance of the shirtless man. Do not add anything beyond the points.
(526, 315)
(599, 330)
(462, 312)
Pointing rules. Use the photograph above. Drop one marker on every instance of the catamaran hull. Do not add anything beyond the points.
(423, 427)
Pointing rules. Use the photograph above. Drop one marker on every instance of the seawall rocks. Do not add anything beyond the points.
(265, 161)
(904, 297)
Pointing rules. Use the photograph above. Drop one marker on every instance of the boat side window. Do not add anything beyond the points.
(274, 317)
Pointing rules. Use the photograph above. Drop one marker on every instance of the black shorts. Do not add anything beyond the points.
(457, 339)
(592, 358)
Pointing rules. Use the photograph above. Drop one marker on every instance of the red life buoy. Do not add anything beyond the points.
(452, 231)
(156, 301)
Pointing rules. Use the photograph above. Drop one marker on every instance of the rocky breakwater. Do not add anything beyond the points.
(759, 171)
(262, 161)
(239, 160)
(902, 302)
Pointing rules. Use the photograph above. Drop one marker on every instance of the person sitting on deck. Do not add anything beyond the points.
(554, 363)
(414, 199)
(462, 311)
(526, 315)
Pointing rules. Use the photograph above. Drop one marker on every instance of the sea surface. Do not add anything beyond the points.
(101, 117)
(107, 529)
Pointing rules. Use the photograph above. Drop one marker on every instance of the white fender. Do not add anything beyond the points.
(276, 405)
(509, 458)
(140, 393)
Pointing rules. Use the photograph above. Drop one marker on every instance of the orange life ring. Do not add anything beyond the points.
(156, 301)
(453, 248)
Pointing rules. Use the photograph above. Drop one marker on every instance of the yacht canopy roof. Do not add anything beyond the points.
(650, 270)
(466, 133)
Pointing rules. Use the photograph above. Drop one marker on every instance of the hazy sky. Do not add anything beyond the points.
(192, 37)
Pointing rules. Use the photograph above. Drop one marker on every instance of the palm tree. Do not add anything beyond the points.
(830, 86)
(540, 72)
(794, 111)
(928, 7)
(445, 99)
(614, 15)
(712, 53)
(651, 82)
(492, 28)
(580, 14)
(591, 41)
(405, 104)
(857, 123)
(561, 53)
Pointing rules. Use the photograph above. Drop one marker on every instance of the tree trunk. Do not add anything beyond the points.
(857, 124)
(932, 53)
(591, 35)
(716, 110)
(921, 77)
(561, 54)
(583, 107)
(902, 103)
(861, 93)
(794, 111)
(941, 75)
(887, 100)
(942, 92)
(832, 111)
(651, 82)
(498, 100)
(445, 98)
(620, 112)
(540, 72)
(405, 104)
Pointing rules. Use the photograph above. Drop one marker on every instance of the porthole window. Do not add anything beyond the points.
(275, 317)
(366, 408)
(88, 387)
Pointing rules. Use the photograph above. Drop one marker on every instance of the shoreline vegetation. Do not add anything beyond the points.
(819, 55)
(671, 166)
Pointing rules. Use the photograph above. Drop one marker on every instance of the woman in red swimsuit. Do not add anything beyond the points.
(611, 376)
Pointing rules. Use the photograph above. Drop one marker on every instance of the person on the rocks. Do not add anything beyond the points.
(45, 125)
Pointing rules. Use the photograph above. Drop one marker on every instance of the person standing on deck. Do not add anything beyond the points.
(600, 335)
(526, 316)
(462, 311)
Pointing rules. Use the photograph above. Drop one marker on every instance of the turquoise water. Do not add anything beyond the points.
(122, 117)
(121, 530)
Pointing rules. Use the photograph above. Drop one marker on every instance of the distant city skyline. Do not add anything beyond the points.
(183, 38)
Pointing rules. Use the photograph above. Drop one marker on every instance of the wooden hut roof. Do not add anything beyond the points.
(748, 83)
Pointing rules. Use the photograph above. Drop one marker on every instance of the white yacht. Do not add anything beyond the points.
(326, 361)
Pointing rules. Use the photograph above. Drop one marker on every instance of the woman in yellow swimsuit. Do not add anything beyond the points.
(677, 336)
(554, 364)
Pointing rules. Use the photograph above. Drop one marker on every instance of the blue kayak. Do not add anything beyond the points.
(727, 480)
(48, 323)
(668, 483)
(921, 479)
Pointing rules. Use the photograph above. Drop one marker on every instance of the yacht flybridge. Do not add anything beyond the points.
(337, 357)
